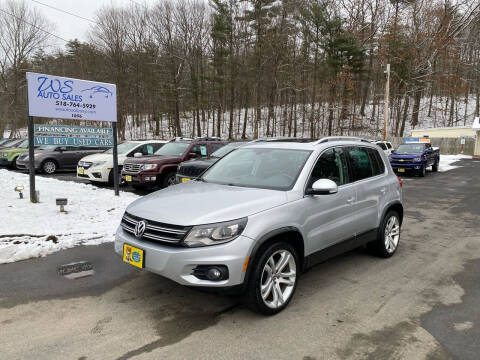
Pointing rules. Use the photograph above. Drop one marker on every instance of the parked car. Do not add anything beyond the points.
(415, 157)
(191, 169)
(159, 169)
(50, 158)
(264, 213)
(385, 145)
(98, 167)
(11, 143)
(9, 155)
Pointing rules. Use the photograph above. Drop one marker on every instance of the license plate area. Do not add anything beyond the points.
(128, 178)
(185, 179)
(81, 171)
(133, 256)
(402, 170)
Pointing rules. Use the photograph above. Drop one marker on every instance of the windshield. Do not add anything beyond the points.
(224, 150)
(173, 149)
(275, 169)
(47, 147)
(123, 147)
(410, 149)
(9, 142)
(23, 144)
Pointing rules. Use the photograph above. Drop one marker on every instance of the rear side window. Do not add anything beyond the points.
(389, 146)
(378, 166)
(216, 146)
(360, 163)
(382, 145)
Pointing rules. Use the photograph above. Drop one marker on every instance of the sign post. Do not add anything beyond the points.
(65, 98)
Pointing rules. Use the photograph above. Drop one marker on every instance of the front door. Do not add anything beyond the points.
(330, 218)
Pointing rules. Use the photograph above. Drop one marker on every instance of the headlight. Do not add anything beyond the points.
(417, 159)
(5, 154)
(213, 234)
(37, 154)
(98, 163)
(149, 166)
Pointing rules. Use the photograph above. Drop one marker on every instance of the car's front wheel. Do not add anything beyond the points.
(49, 167)
(274, 279)
(422, 171)
(169, 180)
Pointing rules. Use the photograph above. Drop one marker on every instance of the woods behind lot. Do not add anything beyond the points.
(259, 67)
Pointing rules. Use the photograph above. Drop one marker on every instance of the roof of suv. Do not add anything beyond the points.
(339, 140)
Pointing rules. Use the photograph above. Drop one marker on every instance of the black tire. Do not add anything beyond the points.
(168, 179)
(14, 163)
(422, 171)
(49, 167)
(435, 166)
(253, 296)
(379, 246)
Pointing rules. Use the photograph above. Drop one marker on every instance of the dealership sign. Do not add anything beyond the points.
(66, 135)
(66, 98)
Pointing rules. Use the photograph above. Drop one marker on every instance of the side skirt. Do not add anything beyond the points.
(340, 248)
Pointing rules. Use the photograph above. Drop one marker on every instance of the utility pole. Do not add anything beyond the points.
(386, 103)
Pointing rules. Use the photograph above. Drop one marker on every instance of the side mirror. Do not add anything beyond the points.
(192, 155)
(323, 187)
(138, 155)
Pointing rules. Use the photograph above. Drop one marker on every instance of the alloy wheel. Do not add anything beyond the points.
(278, 279)
(49, 167)
(392, 234)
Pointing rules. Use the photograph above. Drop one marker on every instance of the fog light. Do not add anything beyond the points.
(213, 274)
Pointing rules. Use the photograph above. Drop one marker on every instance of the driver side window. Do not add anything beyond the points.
(331, 165)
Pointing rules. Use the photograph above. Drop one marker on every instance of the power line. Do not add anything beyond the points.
(35, 26)
(64, 11)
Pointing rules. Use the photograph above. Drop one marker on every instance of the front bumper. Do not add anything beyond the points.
(99, 174)
(140, 178)
(24, 164)
(5, 162)
(177, 263)
(398, 166)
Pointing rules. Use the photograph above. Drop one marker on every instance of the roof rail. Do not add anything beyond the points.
(340, 138)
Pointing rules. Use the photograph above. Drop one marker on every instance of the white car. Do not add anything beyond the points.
(385, 145)
(98, 167)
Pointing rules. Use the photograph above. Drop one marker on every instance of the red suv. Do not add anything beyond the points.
(160, 168)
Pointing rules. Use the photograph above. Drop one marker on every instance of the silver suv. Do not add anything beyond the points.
(261, 215)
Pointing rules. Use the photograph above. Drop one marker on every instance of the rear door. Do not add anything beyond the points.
(330, 218)
(369, 176)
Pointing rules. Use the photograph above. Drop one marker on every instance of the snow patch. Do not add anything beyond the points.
(446, 161)
(33, 230)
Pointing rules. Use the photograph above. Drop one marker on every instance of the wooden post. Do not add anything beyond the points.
(386, 103)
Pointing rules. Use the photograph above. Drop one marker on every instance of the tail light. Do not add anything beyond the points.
(400, 182)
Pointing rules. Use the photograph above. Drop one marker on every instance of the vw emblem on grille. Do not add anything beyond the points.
(140, 228)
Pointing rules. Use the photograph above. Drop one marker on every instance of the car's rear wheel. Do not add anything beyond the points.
(49, 167)
(274, 279)
(388, 236)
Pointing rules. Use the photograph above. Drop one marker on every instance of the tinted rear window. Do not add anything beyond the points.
(360, 163)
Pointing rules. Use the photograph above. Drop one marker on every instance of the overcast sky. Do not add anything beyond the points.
(71, 27)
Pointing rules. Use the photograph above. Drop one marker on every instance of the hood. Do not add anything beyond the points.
(14, 150)
(102, 157)
(405, 156)
(196, 203)
(156, 159)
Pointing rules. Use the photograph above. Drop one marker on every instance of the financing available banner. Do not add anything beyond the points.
(59, 97)
(68, 135)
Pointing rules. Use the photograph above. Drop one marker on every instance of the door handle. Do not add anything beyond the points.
(383, 190)
(350, 200)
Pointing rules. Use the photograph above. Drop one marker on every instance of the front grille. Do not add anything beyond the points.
(403, 161)
(190, 171)
(84, 164)
(155, 231)
(133, 168)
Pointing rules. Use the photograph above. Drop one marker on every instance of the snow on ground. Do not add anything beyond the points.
(31, 230)
(446, 161)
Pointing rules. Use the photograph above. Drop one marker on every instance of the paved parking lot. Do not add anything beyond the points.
(420, 304)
